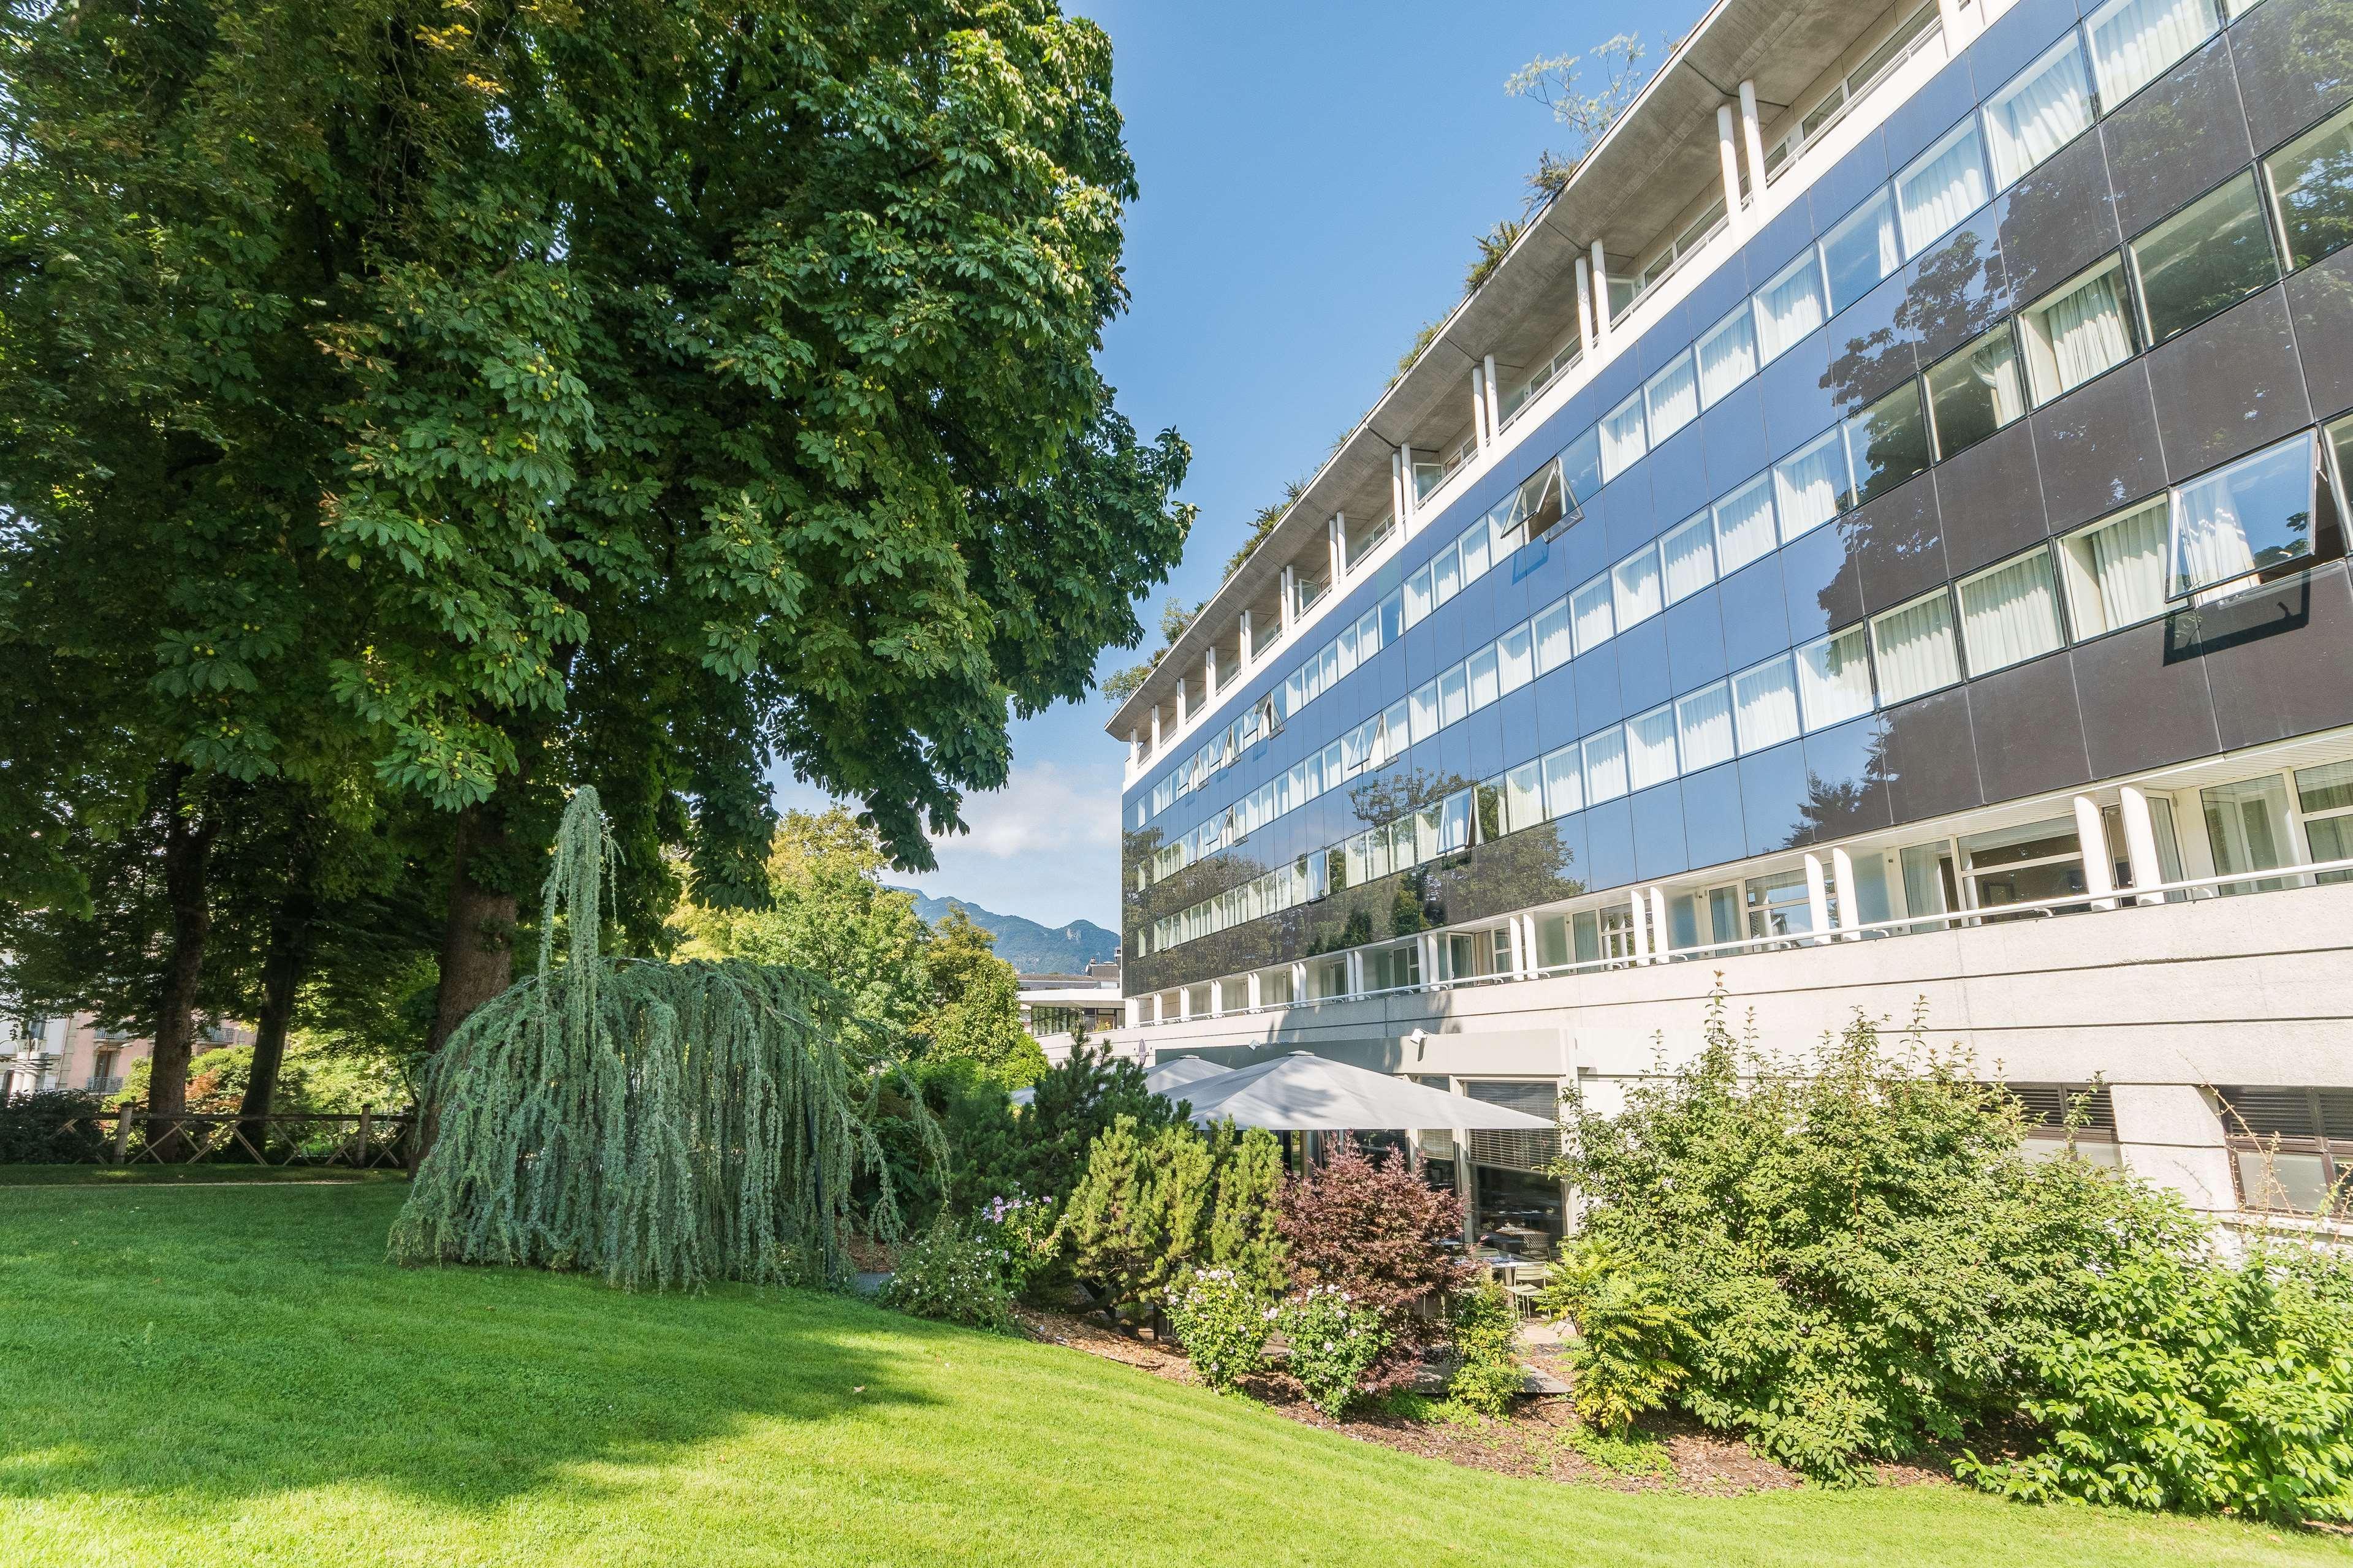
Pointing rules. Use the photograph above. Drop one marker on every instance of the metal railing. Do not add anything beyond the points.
(2235, 884)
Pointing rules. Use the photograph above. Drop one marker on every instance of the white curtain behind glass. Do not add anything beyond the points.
(1765, 705)
(2134, 40)
(1834, 679)
(2210, 544)
(1636, 580)
(2010, 614)
(1789, 306)
(1728, 356)
(1621, 438)
(2040, 113)
(1564, 782)
(2128, 565)
(1590, 608)
(1916, 650)
(1674, 397)
(1605, 766)
(1995, 365)
(1743, 525)
(1552, 636)
(1940, 190)
(1808, 484)
(1689, 553)
(2088, 331)
(1704, 721)
(1651, 751)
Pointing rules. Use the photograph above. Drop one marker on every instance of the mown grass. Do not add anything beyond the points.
(180, 1176)
(234, 1375)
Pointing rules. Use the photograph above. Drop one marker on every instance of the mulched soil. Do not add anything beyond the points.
(1531, 1442)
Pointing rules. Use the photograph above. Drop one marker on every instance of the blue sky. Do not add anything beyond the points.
(1313, 178)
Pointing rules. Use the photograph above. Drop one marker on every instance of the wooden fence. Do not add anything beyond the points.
(132, 1135)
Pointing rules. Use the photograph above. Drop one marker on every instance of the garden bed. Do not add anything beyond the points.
(1535, 1441)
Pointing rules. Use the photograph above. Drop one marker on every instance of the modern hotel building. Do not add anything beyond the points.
(1879, 537)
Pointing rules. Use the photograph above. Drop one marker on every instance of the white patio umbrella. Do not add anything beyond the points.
(1178, 1071)
(1305, 1092)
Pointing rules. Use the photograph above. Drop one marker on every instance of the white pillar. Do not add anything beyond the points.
(1180, 701)
(1600, 297)
(1183, 1002)
(1818, 898)
(1253, 991)
(1289, 591)
(1209, 673)
(1135, 747)
(1658, 944)
(1728, 157)
(2140, 843)
(1134, 1012)
(1960, 19)
(1585, 305)
(1331, 527)
(1495, 400)
(1298, 984)
(1479, 431)
(1752, 137)
(1356, 971)
(1849, 915)
(1641, 932)
(2099, 871)
(1155, 727)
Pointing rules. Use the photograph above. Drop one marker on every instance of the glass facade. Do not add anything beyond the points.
(1776, 583)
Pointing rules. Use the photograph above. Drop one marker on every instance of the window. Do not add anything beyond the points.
(2245, 520)
(1688, 553)
(2246, 827)
(1780, 905)
(1446, 566)
(1635, 587)
(2134, 40)
(1861, 251)
(1728, 356)
(1524, 798)
(2291, 1149)
(1975, 391)
(1476, 547)
(2312, 180)
(1887, 443)
(1743, 525)
(1941, 187)
(1486, 686)
(2048, 106)
(1809, 485)
(1393, 968)
(1834, 679)
(2025, 865)
(1704, 726)
(2204, 259)
(2076, 331)
(1453, 696)
(1672, 397)
(1564, 782)
(1650, 747)
(2067, 1118)
(1765, 705)
(1531, 512)
(1425, 716)
(1621, 438)
(1916, 648)
(1788, 307)
(1589, 609)
(1516, 655)
(2009, 613)
(1552, 636)
(1605, 766)
(2115, 570)
(2325, 797)
(1580, 471)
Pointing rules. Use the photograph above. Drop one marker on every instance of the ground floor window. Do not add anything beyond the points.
(2291, 1148)
(2051, 1107)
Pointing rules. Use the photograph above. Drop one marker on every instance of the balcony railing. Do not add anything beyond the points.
(2187, 891)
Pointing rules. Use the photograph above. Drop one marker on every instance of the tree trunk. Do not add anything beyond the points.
(283, 965)
(478, 939)
(187, 845)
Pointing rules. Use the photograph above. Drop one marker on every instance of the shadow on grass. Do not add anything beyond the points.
(247, 1341)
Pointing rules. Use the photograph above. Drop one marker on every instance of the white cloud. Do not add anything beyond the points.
(1042, 808)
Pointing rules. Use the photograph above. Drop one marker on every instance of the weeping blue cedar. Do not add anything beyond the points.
(657, 1124)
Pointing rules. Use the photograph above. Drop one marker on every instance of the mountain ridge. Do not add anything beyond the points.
(1030, 947)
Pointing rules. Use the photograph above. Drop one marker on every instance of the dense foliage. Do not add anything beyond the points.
(1337, 1345)
(659, 1124)
(1376, 1231)
(1846, 1255)
(1222, 1324)
(950, 1273)
(1483, 1328)
(54, 1127)
(1153, 1209)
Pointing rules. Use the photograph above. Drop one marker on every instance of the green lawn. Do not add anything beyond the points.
(232, 1374)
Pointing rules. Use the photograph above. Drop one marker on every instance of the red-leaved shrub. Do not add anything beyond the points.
(1376, 1231)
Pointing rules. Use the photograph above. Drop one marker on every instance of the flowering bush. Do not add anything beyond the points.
(1380, 1233)
(1021, 1231)
(1335, 1344)
(1222, 1324)
(950, 1274)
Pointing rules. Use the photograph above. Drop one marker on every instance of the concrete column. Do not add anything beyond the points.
(1585, 304)
(1249, 652)
(1848, 916)
(1180, 701)
(1479, 431)
(1961, 21)
(1464, 1189)
(1331, 527)
(1356, 971)
(1752, 137)
(1183, 1002)
(1298, 984)
(1658, 944)
(1728, 157)
(1135, 747)
(1155, 727)
(1495, 400)
(1209, 674)
(1255, 991)
(1290, 593)
(1600, 297)
(1134, 1012)
(2099, 871)
(1641, 928)
(2140, 843)
(1818, 898)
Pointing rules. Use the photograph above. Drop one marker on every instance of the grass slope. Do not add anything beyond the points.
(232, 1374)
